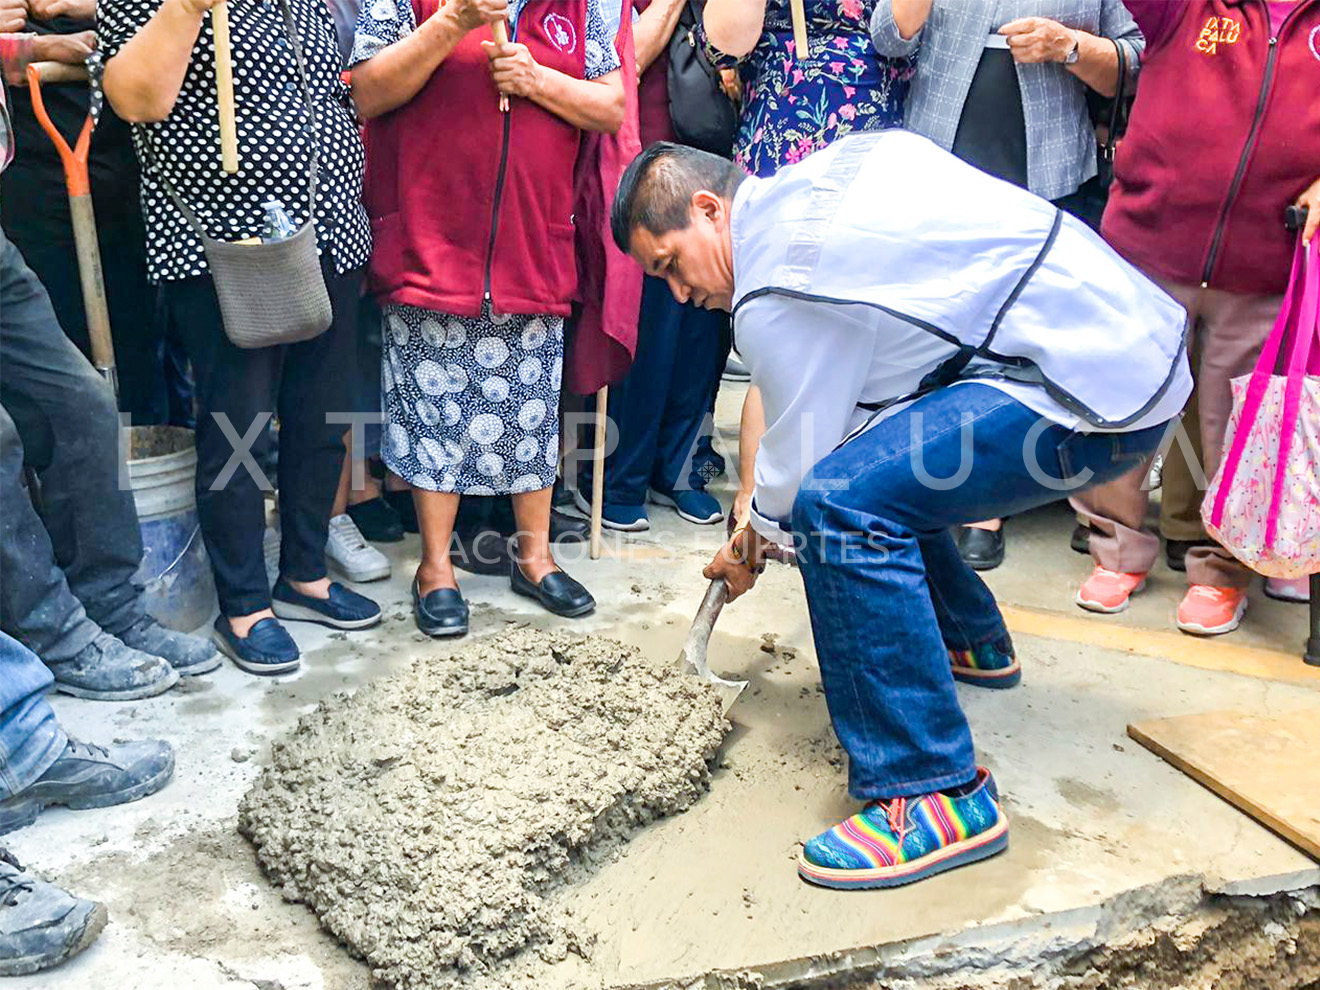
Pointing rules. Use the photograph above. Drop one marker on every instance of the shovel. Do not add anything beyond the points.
(693, 659)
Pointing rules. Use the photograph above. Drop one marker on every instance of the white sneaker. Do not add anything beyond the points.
(349, 551)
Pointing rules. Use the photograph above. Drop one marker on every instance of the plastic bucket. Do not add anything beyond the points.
(162, 471)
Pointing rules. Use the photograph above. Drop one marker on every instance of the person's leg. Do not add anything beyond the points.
(435, 521)
(1121, 542)
(1234, 328)
(66, 417)
(235, 386)
(680, 467)
(316, 383)
(635, 407)
(869, 519)
(1180, 490)
(30, 737)
(881, 646)
(315, 393)
(695, 365)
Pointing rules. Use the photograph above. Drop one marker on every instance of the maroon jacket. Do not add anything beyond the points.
(1225, 134)
(466, 201)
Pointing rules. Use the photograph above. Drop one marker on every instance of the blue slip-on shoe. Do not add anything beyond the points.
(891, 843)
(344, 609)
(990, 665)
(266, 649)
(625, 518)
(694, 505)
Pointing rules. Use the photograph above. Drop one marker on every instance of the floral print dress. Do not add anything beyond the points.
(793, 106)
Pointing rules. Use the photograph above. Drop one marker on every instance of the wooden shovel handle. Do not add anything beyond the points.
(799, 15)
(224, 87)
(500, 32)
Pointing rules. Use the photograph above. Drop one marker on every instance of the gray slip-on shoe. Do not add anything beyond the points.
(189, 655)
(91, 776)
(41, 925)
(107, 670)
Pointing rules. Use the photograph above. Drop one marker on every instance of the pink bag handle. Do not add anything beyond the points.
(1304, 273)
(1303, 345)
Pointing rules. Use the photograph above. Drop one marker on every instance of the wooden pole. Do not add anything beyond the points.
(500, 31)
(598, 470)
(224, 87)
(799, 28)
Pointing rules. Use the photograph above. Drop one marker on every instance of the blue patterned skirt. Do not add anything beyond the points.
(471, 404)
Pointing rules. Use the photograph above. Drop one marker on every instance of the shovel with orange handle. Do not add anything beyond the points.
(79, 187)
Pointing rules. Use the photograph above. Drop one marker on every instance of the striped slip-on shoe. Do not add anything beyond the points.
(990, 665)
(891, 843)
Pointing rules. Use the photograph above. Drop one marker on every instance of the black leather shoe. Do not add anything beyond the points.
(441, 612)
(377, 520)
(567, 529)
(1175, 552)
(981, 549)
(481, 551)
(557, 592)
(402, 504)
(1081, 539)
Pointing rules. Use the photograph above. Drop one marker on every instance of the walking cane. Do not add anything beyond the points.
(78, 184)
(1294, 218)
(598, 470)
(224, 88)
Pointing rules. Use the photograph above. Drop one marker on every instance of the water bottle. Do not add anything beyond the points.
(278, 225)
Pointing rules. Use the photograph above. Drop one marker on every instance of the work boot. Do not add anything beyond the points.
(89, 776)
(107, 670)
(40, 924)
(189, 655)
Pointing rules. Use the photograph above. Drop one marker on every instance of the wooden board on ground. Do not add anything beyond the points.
(1266, 767)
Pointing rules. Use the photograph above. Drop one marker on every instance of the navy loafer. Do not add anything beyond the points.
(557, 592)
(441, 612)
(344, 609)
(267, 649)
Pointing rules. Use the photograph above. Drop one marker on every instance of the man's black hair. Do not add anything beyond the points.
(656, 190)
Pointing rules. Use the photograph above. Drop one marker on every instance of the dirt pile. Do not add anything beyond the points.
(428, 818)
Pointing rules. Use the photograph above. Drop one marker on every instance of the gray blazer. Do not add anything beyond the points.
(1060, 138)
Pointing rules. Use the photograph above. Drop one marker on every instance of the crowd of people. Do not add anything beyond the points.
(434, 153)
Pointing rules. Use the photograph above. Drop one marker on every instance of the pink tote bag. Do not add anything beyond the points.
(1264, 503)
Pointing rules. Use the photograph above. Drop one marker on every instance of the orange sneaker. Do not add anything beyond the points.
(1210, 611)
(1108, 591)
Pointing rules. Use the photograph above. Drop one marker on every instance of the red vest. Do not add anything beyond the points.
(465, 200)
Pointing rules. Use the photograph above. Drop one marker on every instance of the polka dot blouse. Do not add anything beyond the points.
(274, 136)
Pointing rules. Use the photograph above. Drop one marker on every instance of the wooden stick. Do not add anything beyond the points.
(500, 31)
(799, 28)
(224, 87)
(598, 470)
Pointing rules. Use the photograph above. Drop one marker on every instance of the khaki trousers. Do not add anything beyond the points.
(1227, 330)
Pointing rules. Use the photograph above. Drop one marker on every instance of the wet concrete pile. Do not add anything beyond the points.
(429, 819)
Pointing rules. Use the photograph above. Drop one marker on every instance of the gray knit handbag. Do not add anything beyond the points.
(270, 293)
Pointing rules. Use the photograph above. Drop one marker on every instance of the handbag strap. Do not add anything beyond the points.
(1304, 281)
(313, 168)
(1303, 342)
(1116, 109)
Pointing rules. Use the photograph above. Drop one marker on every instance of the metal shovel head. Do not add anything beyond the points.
(693, 659)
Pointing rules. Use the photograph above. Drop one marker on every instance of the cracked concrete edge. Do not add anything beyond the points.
(1018, 946)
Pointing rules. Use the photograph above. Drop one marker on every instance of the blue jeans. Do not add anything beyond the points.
(888, 592)
(30, 738)
(662, 408)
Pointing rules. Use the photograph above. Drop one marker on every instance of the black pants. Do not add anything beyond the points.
(68, 573)
(305, 385)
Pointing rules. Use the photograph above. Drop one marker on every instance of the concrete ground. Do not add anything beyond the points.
(1095, 817)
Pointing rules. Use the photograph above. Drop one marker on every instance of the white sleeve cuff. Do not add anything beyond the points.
(769, 528)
